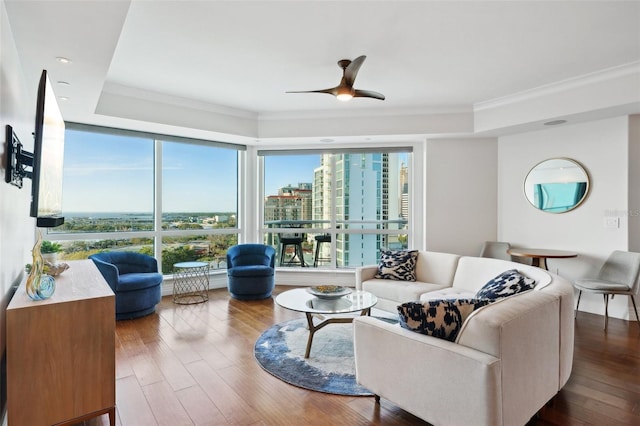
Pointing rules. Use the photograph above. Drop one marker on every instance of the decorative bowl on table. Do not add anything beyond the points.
(55, 269)
(329, 291)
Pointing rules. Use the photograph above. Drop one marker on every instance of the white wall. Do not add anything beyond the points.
(602, 148)
(461, 194)
(17, 108)
(634, 183)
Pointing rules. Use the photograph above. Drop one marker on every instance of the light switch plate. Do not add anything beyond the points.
(611, 222)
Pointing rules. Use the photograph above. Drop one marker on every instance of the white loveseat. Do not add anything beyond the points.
(510, 357)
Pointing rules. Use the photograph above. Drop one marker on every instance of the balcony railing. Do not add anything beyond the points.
(326, 243)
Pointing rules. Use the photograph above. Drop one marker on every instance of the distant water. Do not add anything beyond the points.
(106, 215)
(137, 215)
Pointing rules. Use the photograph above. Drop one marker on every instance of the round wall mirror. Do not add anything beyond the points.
(556, 185)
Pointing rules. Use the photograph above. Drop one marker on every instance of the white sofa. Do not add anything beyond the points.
(510, 357)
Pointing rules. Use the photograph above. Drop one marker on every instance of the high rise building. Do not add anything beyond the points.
(404, 191)
(321, 199)
(291, 203)
(367, 192)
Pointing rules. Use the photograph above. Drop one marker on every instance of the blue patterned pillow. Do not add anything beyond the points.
(397, 265)
(438, 318)
(506, 284)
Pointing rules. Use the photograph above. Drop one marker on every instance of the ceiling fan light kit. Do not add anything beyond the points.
(345, 91)
(344, 94)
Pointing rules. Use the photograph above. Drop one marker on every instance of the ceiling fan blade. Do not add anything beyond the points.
(367, 94)
(352, 69)
(332, 91)
(345, 91)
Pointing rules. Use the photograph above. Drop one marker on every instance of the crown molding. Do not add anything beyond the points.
(561, 86)
(363, 112)
(146, 95)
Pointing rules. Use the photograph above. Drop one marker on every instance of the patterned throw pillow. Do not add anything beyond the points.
(397, 265)
(438, 318)
(506, 284)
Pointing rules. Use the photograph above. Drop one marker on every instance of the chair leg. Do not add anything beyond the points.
(606, 310)
(575, 314)
(633, 300)
(299, 249)
(315, 259)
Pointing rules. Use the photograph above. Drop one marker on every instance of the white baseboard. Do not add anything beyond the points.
(296, 277)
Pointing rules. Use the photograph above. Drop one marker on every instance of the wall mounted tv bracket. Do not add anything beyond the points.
(18, 161)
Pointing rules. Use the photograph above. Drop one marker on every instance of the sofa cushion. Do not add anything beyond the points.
(399, 291)
(138, 281)
(436, 267)
(397, 265)
(474, 272)
(250, 271)
(506, 284)
(447, 293)
(438, 318)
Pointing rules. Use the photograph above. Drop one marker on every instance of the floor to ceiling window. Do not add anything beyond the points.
(177, 199)
(199, 203)
(335, 208)
(174, 198)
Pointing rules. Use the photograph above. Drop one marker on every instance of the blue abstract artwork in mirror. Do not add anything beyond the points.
(556, 185)
(558, 197)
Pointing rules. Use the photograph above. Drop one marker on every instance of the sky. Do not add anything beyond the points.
(107, 173)
(283, 170)
(103, 173)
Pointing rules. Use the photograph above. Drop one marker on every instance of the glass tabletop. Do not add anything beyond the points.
(301, 300)
(190, 264)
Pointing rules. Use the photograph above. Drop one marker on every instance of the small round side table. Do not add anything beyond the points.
(190, 282)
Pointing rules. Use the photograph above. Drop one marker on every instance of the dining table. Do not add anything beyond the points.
(539, 256)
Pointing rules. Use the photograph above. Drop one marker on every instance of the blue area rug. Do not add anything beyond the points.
(330, 367)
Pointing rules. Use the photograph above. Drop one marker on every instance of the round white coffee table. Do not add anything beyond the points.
(301, 300)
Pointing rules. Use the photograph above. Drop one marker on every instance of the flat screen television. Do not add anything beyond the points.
(48, 156)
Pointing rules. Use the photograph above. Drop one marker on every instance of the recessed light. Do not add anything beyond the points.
(327, 140)
(555, 122)
(63, 60)
(63, 98)
(64, 83)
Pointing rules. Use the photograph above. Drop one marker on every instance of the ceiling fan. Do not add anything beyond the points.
(345, 91)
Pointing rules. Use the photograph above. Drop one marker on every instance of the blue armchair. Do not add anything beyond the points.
(135, 280)
(251, 271)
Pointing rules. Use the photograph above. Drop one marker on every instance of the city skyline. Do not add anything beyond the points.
(283, 170)
(360, 187)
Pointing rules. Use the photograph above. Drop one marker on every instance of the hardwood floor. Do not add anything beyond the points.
(194, 364)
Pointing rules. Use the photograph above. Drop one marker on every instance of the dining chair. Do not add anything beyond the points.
(320, 240)
(495, 250)
(618, 275)
(293, 239)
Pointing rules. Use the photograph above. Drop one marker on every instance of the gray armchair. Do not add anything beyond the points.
(496, 250)
(618, 275)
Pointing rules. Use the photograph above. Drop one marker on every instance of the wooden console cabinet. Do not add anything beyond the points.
(61, 351)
